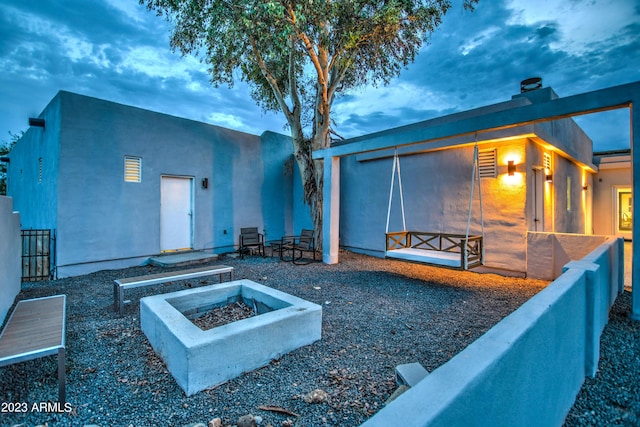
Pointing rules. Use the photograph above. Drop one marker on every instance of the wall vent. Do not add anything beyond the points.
(132, 169)
(487, 163)
(546, 162)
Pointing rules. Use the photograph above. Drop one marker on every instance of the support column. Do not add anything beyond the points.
(635, 233)
(331, 210)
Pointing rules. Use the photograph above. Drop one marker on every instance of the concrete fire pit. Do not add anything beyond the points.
(200, 359)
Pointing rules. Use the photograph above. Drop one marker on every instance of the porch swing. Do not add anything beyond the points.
(458, 251)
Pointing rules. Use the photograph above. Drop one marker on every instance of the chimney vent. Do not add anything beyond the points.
(528, 85)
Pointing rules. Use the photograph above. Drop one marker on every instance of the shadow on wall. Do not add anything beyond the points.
(277, 186)
(226, 185)
(548, 253)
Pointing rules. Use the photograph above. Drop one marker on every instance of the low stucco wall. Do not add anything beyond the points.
(528, 369)
(10, 250)
(547, 253)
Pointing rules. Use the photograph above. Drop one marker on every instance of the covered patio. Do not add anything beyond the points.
(618, 97)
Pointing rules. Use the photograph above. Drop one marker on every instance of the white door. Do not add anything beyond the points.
(538, 200)
(176, 213)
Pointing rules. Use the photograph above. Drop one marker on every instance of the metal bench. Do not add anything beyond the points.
(120, 285)
(36, 329)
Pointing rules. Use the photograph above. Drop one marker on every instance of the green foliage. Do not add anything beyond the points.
(5, 148)
(288, 50)
(298, 55)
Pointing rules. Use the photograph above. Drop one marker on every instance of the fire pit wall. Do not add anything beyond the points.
(200, 359)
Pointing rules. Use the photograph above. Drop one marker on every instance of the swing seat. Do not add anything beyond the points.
(447, 250)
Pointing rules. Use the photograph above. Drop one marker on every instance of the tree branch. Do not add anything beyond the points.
(293, 83)
(273, 83)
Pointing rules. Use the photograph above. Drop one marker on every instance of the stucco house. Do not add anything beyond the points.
(107, 176)
(119, 184)
(548, 188)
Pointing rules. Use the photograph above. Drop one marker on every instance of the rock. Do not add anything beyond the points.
(216, 422)
(316, 396)
(397, 393)
(247, 421)
(195, 425)
(287, 423)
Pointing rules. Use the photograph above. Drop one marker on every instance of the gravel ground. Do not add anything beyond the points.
(377, 314)
(612, 398)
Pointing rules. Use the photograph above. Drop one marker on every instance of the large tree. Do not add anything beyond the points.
(297, 55)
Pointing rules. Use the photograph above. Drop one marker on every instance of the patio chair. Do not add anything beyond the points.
(250, 238)
(305, 242)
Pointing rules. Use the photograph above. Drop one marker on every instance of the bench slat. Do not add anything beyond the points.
(449, 259)
(173, 276)
(133, 282)
(36, 327)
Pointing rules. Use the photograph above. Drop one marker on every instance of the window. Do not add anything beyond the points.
(625, 210)
(132, 169)
(487, 164)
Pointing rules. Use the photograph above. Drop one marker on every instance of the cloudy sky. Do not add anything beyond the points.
(117, 50)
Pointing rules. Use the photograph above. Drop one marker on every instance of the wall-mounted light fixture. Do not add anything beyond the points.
(548, 177)
(36, 122)
(511, 168)
(205, 183)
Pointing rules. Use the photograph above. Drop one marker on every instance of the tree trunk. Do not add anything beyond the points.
(312, 177)
(312, 171)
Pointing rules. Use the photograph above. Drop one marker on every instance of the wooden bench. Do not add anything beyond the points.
(36, 329)
(120, 285)
(448, 250)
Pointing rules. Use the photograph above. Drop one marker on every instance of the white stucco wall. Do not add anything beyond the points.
(548, 253)
(33, 171)
(10, 250)
(607, 180)
(527, 369)
(569, 216)
(436, 189)
(102, 221)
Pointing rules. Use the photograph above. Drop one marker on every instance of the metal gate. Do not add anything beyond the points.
(38, 255)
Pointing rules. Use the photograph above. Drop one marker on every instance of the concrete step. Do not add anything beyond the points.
(180, 259)
(410, 374)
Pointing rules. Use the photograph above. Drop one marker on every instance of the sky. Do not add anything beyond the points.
(118, 51)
